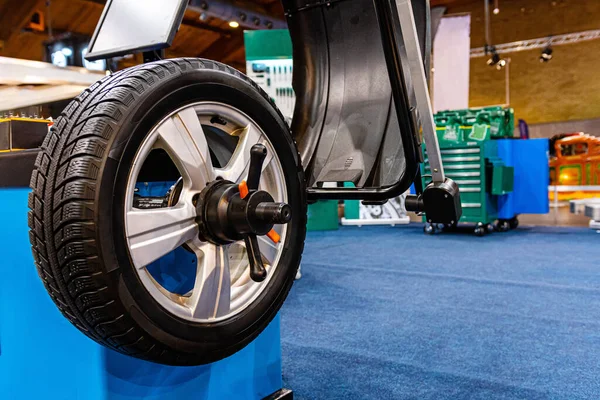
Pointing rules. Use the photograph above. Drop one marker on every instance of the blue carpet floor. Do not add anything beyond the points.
(390, 313)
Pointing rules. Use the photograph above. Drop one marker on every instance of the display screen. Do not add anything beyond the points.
(132, 26)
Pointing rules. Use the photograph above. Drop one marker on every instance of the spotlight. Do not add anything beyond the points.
(203, 16)
(546, 55)
(234, 24)
(496, 10)
(495, 60)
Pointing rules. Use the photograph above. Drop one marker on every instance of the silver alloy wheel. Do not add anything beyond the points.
(222, 286)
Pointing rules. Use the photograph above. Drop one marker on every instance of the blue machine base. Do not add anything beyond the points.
(42, 356)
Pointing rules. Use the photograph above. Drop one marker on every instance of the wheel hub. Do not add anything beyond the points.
(225, 217)
(228, 212)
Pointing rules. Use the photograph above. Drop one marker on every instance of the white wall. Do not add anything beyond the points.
(451, 62)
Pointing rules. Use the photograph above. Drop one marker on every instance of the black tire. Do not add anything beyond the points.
(76, 230)
(514, 223)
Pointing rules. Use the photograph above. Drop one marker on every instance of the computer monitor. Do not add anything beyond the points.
(133, 26)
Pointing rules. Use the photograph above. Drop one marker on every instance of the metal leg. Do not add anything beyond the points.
(419, 85)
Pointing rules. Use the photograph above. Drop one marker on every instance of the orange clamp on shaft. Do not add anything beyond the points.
(274, 236)
(243, 189)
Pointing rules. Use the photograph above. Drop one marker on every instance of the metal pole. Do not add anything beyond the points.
(507, 75)
(49, 19)
(486, 11)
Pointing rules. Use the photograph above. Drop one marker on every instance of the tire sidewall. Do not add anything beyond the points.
(153, 105)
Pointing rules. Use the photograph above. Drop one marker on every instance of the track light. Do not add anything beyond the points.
(546, 55)
(495, 60)
(234, 24)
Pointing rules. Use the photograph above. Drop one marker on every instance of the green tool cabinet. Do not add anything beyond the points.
(501, 120)
(470, 158)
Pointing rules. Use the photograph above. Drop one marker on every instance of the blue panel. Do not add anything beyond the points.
(532, 177)
(506, 203)
(43, 357)
(252, 373)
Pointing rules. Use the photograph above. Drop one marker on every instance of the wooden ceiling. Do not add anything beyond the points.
(212, 38)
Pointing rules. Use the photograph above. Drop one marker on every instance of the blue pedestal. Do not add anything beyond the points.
(532, 177)
(43, 357)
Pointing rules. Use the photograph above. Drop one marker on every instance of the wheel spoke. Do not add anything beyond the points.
(237, 167)
(268, 249)
(211, 297)
(183, 138)
(154, 233)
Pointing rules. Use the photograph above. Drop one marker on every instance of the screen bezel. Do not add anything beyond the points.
(125, 50)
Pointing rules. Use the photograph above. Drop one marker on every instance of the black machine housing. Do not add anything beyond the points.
(356, 102)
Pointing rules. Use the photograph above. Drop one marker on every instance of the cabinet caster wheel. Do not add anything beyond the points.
(480, 229)
(429, 229)
(514, 223)
(502, 226)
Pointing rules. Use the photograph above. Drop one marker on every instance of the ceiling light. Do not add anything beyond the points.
(234, 24)
(59, 59)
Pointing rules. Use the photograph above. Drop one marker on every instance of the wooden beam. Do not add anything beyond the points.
(436, 3)
(204, 26)
(15, 15)
(222, 48)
